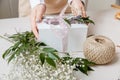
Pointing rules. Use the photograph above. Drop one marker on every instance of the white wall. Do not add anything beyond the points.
(8, 8)
(96, 5)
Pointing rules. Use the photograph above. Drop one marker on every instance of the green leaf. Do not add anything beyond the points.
(67, 54)
(75, 61)
(85, 18)
(20, 50)
(56, 55)
(66, 58)
(6, 53)
(15, 46)
(91, 21)
(49, 50)
(13, 36)
(51, 62)
(85, 68)
(75, 69)
(53, 56)
(11, 57)
(42, 58)
(66, 20)
(88, 63)
(82, 70)
(42, 44)
(90, 69)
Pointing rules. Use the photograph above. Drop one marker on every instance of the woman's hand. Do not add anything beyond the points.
(36, 16)
(78, 8)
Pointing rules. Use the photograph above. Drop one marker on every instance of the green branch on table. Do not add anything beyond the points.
(26, 44)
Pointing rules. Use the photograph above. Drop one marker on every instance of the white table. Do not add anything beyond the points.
(103, 20)
(10, 26)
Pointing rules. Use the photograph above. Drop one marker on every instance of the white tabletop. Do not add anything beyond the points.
(109, 71)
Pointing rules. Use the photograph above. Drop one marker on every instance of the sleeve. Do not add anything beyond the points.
(69, 1)
(33, 3)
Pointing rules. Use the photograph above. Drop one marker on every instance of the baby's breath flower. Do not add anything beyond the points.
(31, 69)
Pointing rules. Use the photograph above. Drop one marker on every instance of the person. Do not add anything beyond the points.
(41, 7)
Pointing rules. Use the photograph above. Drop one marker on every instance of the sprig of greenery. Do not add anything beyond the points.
(86, 20)
(80, 64)
(49, 55)
(25, 43)
(79, 19)
(67, 20)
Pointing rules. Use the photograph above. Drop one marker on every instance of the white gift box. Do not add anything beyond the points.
(76, 36)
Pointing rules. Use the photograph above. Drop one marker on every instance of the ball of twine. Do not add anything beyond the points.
(99, 49)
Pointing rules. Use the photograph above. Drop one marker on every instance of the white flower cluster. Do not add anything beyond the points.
(30, 68)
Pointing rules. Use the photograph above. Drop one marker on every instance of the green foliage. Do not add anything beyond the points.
(42, 58)
(66, 20)
(79, 19)
(50, 61)
(25, 43)
(80, 64)
(49, 50)
(85, 20)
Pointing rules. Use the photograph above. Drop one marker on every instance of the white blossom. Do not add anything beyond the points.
(30, 68)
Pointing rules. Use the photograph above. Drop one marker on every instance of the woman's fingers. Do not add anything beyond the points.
(74, 11)
(40, 12)
(36, 17)
(83, 11)
(78, 8)
(33, 23)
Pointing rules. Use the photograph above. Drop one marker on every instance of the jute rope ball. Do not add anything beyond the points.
(99, 49)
